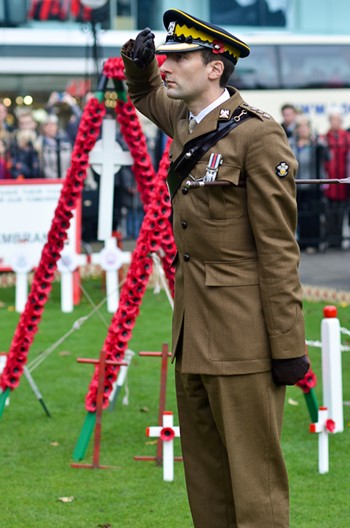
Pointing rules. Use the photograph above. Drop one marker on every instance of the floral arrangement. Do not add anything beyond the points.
(155, 236)
(43, 277)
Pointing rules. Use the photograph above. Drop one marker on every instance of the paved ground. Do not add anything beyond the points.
(330, 269)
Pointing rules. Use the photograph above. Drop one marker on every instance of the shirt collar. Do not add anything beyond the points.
(223, 97)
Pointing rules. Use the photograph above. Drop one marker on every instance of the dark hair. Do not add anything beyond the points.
(289, 106)
(229, 67)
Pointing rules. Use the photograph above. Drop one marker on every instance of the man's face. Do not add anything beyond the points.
(335, 121)
(289, 115)
(50, 129)
(26, 122)
(3, 112)
(186, 76)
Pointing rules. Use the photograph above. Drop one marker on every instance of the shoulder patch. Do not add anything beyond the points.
(282, 169)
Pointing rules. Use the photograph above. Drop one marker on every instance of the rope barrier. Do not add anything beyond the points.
(76, 326)
(318, 344)
(35, 363)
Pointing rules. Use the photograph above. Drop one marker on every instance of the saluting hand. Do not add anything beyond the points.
(144, 49)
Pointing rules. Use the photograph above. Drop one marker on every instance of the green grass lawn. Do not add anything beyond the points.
(36, 451)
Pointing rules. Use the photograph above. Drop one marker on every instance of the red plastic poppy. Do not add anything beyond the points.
(218, 47)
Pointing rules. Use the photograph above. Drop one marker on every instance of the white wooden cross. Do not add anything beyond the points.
(111, 259)
(167, 432)
(68, 263)
(22, 264)
(119, 382)
(107, 158)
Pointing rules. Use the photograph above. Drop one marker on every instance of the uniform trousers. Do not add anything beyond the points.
(230, 437)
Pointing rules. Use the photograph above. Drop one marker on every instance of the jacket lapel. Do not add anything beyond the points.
(210, 122)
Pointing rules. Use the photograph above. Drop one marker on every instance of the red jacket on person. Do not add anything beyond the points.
(339, 147)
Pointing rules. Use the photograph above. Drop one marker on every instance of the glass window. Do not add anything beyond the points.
(315, 66)
(258, 71)
(269, 13)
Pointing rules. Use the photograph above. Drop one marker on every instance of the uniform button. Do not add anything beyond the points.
(184, 190)
(184, 225)
(186, 257)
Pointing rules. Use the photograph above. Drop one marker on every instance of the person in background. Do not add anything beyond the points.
(311, 154)
(131, 200)
(289, 115)
(25, 119)
(54, 149)
(5, 173)
(68, 112)
(24, 156)
(238, 331)
(337, 217)
(5, 126)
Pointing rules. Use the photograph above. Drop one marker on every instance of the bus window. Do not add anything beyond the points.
(311, 66)
(260, 71)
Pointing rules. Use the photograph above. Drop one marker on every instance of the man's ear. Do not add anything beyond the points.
(216, 69)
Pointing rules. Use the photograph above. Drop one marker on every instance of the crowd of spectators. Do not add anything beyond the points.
(38, 144)
(323, 210)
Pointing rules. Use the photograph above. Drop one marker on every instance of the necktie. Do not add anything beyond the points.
(192, 125)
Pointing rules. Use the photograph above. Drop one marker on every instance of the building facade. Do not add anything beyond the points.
(300, 48)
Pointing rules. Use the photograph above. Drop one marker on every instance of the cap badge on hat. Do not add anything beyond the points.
(171, 28)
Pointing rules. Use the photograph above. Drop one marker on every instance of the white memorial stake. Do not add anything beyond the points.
(160, 278)
(66, 265)
(106, 158)
(21, 265)
(332, 367)
(167, 433)
(111, 259)
(323, 427)
(119, 382)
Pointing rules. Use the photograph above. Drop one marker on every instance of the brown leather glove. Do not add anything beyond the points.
(289, 371)
(144, 50)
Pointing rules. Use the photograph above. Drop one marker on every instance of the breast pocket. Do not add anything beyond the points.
(222, 202)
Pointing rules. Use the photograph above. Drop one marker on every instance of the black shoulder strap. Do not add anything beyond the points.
(195, 149)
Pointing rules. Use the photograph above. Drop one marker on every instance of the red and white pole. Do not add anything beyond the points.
(323, 427)
(332, 367)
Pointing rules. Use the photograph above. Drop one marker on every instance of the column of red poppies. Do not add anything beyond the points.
(168, 247)
(144, 173)
(113, 68)
(132, 132)
(135, 139)
(154, 226)
(88, 132)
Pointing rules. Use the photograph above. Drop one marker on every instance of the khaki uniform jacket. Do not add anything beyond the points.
(237, 291)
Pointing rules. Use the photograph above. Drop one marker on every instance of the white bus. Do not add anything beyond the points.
(311, 72)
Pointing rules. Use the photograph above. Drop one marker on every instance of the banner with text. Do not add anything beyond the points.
(27, 209)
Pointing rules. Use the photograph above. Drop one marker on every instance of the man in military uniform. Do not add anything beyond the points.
(238, 332)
